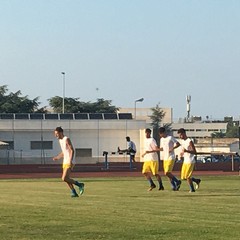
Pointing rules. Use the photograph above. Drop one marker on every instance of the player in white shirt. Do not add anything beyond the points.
(131, 150)
(167, 146)
(68, 161)
(188, 153)
(151, 161)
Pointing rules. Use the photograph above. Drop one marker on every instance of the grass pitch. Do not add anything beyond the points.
(120, 208)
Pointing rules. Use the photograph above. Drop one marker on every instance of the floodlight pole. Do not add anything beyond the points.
(135, 106)
(63, 100)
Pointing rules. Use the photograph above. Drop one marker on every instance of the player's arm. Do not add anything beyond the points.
(70, 146)
(155, 148)
(59, 156)
(176, 145)
(192, 149)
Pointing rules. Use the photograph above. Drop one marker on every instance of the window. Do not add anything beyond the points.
(35, 145)
(83, 152)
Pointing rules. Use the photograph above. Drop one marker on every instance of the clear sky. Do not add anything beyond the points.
(127, 49)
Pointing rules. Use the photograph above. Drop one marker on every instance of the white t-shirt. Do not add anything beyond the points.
(149, 145)
(132, 145)
(167, 143)
(188, 157)
(66, 151)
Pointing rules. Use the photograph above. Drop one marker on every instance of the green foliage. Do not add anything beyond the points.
(232, 130)
(73, 105)
(218, 135)
(121, 209)
(157, 115)
(16, 103)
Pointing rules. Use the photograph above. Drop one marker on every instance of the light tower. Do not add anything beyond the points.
(188, 99)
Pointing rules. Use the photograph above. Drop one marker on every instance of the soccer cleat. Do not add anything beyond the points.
(198, 183)
(73, 195)
(152, 187)
(191, 191)
(161, 188)
(178, 185)
(81, 188)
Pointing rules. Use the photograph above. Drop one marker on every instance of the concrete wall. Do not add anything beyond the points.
(97, 135)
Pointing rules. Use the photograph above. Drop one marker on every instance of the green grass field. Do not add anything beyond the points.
(120, 208)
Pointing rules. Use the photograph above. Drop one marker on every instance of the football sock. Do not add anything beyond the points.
(151, 182)
(173, 184)
(160, 183)
(77, 183)
(74, 191)
(175, 179)
(192, 187)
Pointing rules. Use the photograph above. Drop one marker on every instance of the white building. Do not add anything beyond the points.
(31, 136)
(200, 129)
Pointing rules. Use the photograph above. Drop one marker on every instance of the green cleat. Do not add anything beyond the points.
(81, 188)
(178, 185)
(198, 183)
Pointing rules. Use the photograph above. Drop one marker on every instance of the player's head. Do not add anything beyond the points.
(58, 132)
(182, 133)
(128, 139)
(162, 131)
(148, 132)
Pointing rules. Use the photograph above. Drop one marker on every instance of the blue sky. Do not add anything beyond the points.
(128, 49)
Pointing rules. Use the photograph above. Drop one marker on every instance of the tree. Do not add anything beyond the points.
(218, 135)
(157, 115)
(232, 130)
(73, 105)
(16, 103)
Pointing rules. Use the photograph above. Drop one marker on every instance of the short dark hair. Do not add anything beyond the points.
(181, 131)
(128, 138)
(162, 130)
(58, 129)
(148, 130)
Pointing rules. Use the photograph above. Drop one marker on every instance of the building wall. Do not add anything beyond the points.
(199, 129)
(97, 135)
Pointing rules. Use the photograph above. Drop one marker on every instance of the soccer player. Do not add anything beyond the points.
(151, 161)
(68, 161)
(167, 146)
(188, 152)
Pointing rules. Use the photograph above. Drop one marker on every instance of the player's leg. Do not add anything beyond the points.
(154, 170)
(188, 169)
(197, 181)
(66, 178)
(168, 167)
(146, 172)
(79, 184)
